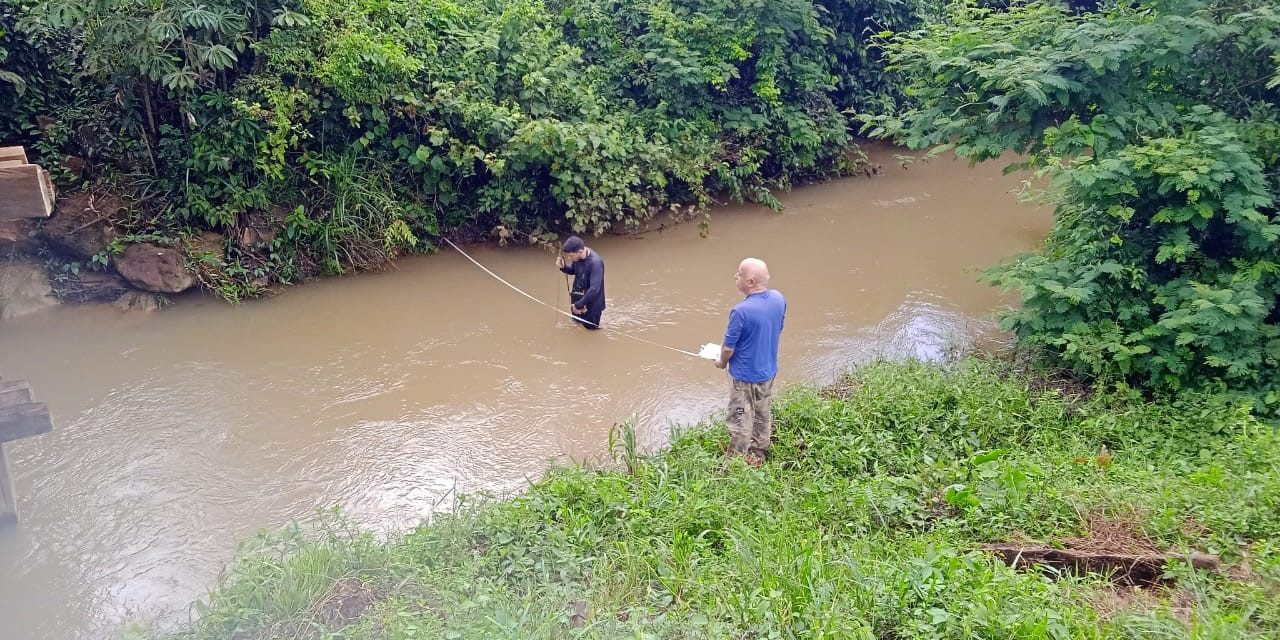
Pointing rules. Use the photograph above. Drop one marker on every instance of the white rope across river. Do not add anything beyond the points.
(709, 351)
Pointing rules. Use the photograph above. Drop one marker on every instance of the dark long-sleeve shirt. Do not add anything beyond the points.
(588, 282)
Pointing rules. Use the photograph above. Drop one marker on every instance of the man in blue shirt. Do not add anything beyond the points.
(750, 351)
(587, 293)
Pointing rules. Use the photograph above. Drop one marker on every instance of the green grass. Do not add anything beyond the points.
(865, 523)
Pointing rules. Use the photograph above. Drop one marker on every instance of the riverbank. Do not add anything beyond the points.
(868, 521)
(80, 257)
(332, 139)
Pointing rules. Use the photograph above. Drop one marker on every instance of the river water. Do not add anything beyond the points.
(180, 433)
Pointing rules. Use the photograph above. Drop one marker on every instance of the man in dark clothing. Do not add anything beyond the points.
(587, 293)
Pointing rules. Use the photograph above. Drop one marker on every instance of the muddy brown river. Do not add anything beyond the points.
(180, 433)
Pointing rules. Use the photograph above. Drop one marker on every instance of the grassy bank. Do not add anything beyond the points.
(866, 523)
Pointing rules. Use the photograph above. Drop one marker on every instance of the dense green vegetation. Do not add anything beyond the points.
(866, 523)
(362, 129)
(365, 128)
(1158, 124)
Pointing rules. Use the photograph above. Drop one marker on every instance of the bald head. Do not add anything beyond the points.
(753, 275)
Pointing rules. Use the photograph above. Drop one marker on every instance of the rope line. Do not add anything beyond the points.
(562, 311)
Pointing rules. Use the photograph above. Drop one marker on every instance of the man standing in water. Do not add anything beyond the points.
(750, 351)
(587, 293)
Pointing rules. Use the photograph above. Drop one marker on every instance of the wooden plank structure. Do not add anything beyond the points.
(25, 192)
(25, 189)
(20, 417)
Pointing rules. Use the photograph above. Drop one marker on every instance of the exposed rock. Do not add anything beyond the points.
(260, 227)
(137, 301)
(16, 236)
(81, 226)
(249, 237)
(153, 268)
(24, 289)
(91, 286)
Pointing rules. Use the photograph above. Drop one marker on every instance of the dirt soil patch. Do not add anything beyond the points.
(344, 604)
(842, 389)
(1115, 600)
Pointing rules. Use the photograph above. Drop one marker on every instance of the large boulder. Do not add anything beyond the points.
(153, 268)
(81, 225)
(24, 289)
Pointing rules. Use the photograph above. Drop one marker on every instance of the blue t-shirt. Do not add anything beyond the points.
(755, 326)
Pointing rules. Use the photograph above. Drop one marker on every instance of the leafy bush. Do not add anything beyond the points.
(565, 115)
(1157, 126)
